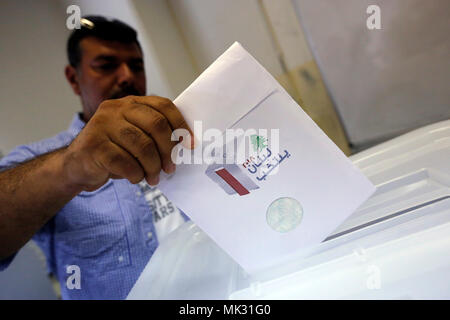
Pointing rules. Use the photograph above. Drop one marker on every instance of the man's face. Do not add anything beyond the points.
(108, 70)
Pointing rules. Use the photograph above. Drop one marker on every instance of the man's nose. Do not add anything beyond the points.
(124, 75)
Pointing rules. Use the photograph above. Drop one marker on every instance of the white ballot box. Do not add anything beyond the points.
(395, 246)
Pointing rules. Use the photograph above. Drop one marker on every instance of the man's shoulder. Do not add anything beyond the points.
(28, 151)
(58, 141)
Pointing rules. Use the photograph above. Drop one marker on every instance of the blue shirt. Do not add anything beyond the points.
(108, 233)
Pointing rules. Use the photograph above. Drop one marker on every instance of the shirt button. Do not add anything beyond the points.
(138, 193)
(149, 235)
(120, 258)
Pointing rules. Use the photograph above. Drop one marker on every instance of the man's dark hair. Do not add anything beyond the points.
(100, 28)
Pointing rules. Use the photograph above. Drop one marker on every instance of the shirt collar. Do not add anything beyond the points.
(76, 125)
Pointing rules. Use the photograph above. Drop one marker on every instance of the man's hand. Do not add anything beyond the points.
(126, 138)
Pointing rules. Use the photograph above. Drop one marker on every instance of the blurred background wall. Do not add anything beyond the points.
(361, 86)
(383, 82)
(35, 101)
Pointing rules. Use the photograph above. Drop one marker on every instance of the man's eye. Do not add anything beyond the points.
(138, 67)
(107, 66)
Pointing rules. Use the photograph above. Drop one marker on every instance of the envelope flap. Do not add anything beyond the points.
(226, 91)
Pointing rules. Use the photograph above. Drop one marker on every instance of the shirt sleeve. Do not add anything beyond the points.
(17, 156)
(6, 262)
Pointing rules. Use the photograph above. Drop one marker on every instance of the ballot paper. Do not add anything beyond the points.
(291, 188)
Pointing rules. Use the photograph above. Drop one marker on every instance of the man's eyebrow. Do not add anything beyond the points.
(110, 58)
(105, 58)
(138, 60)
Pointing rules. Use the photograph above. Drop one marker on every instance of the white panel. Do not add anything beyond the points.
(383, 81)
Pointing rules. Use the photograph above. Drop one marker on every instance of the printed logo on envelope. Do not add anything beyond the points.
(231, 178)
(265, 164)
(258, 142)
(284, 214)
(238, 178)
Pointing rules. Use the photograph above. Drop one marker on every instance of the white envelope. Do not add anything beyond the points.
(262, 218)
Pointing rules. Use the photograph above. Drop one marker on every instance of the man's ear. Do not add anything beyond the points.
(72, 77)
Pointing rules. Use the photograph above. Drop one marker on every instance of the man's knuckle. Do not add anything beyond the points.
(99, 119)
(160, 123)
(181, 124)
(130, 134)
(165, 102)
(115, 159)
(147, 147)
(107, 105)
(130, 98)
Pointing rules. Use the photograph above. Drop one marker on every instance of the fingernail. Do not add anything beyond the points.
(154, 181)
(171, 168)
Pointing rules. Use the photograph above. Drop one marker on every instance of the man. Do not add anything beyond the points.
(76, 194)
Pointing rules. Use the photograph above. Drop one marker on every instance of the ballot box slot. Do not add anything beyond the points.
(397, 197)
(387, 217)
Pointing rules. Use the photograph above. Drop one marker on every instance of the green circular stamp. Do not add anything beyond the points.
(284, 214)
